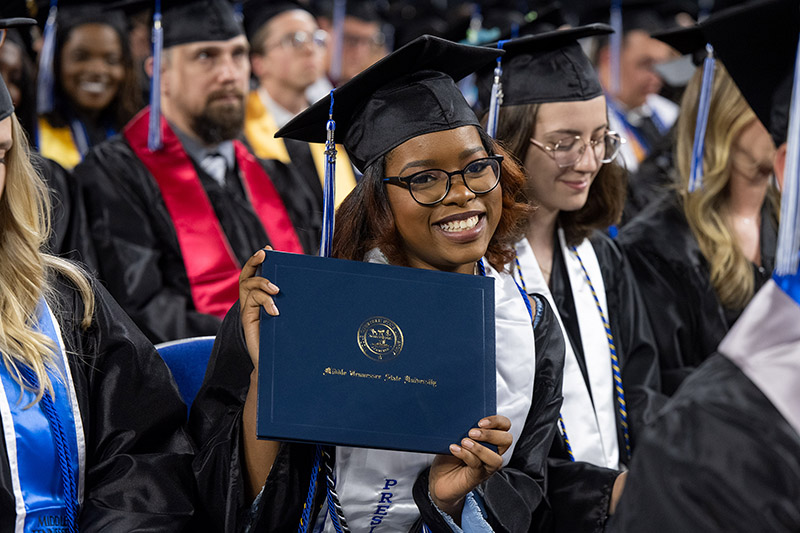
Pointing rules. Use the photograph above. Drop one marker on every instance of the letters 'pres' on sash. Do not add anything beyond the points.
(210, 264)
(29, 441)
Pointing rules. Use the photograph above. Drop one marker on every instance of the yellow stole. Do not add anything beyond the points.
(260, 128)
(57, 144)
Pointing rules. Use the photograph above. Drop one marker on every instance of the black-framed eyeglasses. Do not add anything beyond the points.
(567, 152)
(429, 187)
(298, 39)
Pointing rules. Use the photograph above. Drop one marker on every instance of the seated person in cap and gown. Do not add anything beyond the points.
(172, 225)
(700, 256)
(95, 89)
(68, 229)
(723, 454)
(402, 116)
(287, 55)
(636, 110)
(553, 119)
(93, 425)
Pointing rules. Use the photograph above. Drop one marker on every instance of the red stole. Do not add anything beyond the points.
(207, 256)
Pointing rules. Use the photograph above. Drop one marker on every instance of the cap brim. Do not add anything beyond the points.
(16, 22)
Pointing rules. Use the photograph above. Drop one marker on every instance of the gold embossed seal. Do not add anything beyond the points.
(380, 339)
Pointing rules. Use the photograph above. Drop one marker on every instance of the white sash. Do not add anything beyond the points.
(375, 486)
(592, 429)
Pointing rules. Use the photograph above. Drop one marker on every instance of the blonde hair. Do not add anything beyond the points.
(731, 270)
(25, 270)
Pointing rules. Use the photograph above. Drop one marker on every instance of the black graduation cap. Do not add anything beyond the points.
(257, 13)
(757, 43)
(645, 15)
(15, 14)
(547, 67)
(408, 93)
(189, 21)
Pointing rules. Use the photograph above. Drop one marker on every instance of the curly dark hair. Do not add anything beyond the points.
(365, 221)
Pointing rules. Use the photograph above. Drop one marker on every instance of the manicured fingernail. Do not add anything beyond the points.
(466, 443)
(474, 433)
(483, 423)
(275, 310)
(455, 448)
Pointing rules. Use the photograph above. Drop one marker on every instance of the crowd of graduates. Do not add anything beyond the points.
(620, 169)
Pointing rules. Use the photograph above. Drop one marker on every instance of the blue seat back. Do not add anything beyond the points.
(187, 360)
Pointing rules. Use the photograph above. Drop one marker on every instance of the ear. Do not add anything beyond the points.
(779, 165)
(148, 66)
(258, 65)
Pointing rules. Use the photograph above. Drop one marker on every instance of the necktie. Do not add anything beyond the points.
(215, 165)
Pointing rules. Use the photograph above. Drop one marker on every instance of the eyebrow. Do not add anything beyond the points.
(576, 132)
(430, 162)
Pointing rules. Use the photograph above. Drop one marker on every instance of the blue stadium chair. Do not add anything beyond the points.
(187, 360)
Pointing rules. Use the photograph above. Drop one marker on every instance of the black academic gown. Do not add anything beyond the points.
(654, 178)
(675, 282)
(138, 455)
(580, 492)
(69, 229)
(138, 255)
(514, 496)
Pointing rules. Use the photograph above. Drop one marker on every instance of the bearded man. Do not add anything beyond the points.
(173, 225)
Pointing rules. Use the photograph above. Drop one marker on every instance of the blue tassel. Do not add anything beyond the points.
(703, 109)
(329, 189)
(45, 81)
(496, 99)
(789, 231)
(154, 126)
(615, 43)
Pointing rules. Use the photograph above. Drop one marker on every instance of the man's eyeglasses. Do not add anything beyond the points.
(567, 152)
(374, 42)
(298, 39)
(429, 187)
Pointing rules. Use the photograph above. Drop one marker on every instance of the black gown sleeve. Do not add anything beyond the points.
(216, 425)
(138, 254)
(138, 473)
(634, 339)
(719, 458)
(69, 229)
(688, 322)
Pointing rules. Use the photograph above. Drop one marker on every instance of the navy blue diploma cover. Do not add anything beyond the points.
(374, 355)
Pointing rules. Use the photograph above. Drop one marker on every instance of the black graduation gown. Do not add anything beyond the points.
(674, 279)
(514, 496)
(720, 457)
(580, 492)
(654, 178)
(138, 454)
(69, 231)
(139, 258)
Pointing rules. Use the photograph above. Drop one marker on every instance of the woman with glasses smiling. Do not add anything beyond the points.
(436, 194)
(553, 118)
(700, 256)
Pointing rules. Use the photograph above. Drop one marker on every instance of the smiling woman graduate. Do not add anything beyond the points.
(436, 194)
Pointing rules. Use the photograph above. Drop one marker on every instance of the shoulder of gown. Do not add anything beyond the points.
(138, 453)
(719, 457)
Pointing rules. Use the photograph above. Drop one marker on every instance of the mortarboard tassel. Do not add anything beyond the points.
(786, 257)
(496, 99)
(45, 81)
(701, 122)
(329, 189)
(337, 21)
(154, 126)
(615, 43)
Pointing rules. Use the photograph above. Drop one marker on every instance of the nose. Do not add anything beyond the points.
(588, 161)
(229, 69)
(458, 194)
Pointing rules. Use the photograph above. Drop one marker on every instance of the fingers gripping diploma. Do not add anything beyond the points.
(255, 292)
(454, 476)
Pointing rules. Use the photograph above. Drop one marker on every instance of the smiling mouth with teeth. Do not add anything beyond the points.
(93, 86)
(460, 225)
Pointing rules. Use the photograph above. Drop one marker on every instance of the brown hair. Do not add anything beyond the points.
(365, 221)
(515, 126)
